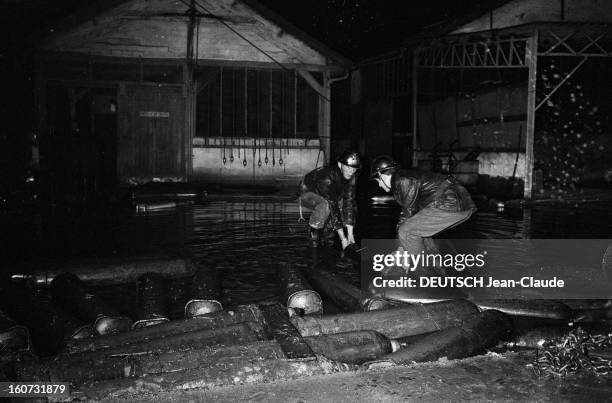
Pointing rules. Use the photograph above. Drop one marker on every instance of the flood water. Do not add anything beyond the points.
(249, 237)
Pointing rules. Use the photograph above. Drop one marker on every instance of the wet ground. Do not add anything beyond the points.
(491, 377)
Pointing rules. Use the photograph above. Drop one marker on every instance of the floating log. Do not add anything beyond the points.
(475, 334)
(13, 336)
(540, 308)
(205, 293)
(151, 306)
(109, 271)
(534, 337)
(578, 304)
(243, 313)
(155, 206)
(344, 295)
(592, 315)
(74, 296)
(393, 323)
(296, 291)
(127, 366)
(50, 327)
(240, 333)
(279, 327)
(235, 372)
(165, 191)
(352, 347)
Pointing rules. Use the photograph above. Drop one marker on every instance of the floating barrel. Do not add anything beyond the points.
(142, 336)
(13, 336)
(393, 323)
(152, 308)
(344, 295)
(50, 327)
(539, 308)
(93, 367)
(352, 347)
(109, 271)
(296, 292)
(475, 334)
(205, 293)
(74, 296)
(234, 372)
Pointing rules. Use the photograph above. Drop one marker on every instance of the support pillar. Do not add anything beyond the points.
(415, 126)
(531, 57)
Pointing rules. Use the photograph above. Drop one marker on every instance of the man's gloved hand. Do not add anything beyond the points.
(344, 241)
(350, 234)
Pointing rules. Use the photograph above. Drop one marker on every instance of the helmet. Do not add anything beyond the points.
(350, 158)
(382, 164)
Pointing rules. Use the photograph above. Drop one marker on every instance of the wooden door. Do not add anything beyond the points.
(152, 136)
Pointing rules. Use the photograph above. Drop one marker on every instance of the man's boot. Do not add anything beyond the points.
(329, 238)
(314, 236)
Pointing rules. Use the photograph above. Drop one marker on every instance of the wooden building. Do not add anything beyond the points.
(183, 90)
(524, 86)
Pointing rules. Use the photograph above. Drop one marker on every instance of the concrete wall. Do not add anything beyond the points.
(493, 164)
(301, 157)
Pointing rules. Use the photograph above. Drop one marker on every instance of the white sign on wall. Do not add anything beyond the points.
(153, 114)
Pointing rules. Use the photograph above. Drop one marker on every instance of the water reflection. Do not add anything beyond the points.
(248, 239)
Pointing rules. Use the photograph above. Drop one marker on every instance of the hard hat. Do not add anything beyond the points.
(350, 158)
(382, 164)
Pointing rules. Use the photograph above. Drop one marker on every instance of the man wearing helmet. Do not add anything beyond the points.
(431, 202)
(330, 193)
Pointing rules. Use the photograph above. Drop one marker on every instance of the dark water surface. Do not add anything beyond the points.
(248, 237)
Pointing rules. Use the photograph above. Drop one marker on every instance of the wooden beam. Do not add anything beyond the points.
(531, 56)
(324, 127)
(203, 83)
(310, 80)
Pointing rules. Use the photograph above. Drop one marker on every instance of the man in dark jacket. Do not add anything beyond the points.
(430, 202)
(330, 193)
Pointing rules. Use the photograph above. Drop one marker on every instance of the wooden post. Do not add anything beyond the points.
(414, 106)
(531, 57)
(324, 92)
(325, 118)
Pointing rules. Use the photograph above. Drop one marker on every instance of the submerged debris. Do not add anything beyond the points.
(575, 352)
